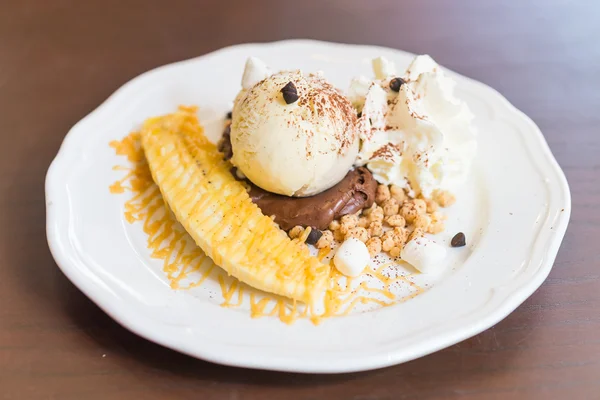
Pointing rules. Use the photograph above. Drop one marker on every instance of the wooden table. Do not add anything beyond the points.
(60, 59)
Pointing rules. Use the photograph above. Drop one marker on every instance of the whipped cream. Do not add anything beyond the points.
(420, 138)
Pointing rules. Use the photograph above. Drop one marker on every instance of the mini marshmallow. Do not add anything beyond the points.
(352, 257)
(254, 71)
(424, 254)
(383, 68)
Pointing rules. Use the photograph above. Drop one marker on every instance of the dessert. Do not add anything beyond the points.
(293, 134)
(307, 185)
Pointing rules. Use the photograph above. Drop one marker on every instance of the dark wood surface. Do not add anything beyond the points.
(60, 59)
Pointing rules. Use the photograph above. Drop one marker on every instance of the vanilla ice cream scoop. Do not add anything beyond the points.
(296, 149)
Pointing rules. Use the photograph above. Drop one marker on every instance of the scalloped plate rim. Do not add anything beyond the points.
(218, 353)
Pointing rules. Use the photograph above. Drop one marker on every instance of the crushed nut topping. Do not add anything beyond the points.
(394, 219)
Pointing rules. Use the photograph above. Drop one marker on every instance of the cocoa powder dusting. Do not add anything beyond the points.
(387, 152)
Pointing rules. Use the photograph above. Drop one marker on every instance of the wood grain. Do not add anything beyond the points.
(60, 59)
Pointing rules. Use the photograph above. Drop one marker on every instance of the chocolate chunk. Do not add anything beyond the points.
(314, 236)
(396, 83)
(359, 115)
(458, 240)
(229, 115)
(224, 145)
(290, 94)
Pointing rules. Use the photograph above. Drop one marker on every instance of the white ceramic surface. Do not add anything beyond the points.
(515, 211)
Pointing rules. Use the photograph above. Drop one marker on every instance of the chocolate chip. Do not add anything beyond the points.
(458, 240)
(224, 144)
(290, 94)
(233, 171)
(359, 115)
(314, 236)
(396, 83)
(229, 115)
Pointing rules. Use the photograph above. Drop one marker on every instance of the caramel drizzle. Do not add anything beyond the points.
(186, 266)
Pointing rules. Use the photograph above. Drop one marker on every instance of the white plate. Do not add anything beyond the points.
(515, 212)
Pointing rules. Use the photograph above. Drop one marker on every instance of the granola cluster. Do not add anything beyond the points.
(394, 219)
